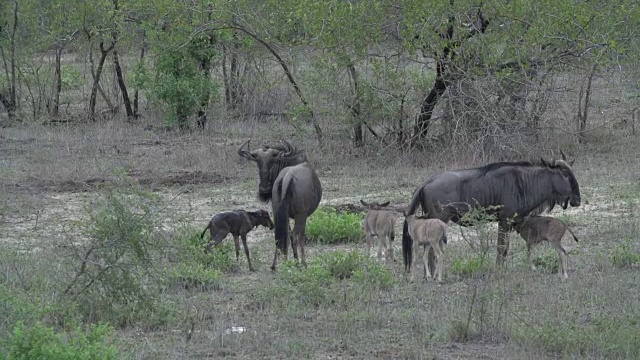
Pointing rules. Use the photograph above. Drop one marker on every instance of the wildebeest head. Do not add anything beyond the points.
(567, 186)
(261, 217)
(271, 159)
(374, 205)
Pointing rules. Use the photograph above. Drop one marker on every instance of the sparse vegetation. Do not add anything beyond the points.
(96, 263)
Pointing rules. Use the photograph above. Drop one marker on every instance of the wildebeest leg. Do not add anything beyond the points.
(275, 259)
(216, 237)
(563, 258)
(236, 242)
(437, 249)
(380, 242)
(246, 251)
(298, 234)
(529, 248)
(390, 248)
(503, 244)
(368, 238)
(425, 259)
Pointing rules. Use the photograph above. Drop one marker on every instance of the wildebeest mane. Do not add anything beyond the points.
(483, 170)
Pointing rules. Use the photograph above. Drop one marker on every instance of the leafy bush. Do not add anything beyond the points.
(112, 281)
(195, 275)
(470, 267)
(548, 261)
(192, 250)
(42, 342)
(623, 256)
(313, 285)
(71, 77)
(326, 226)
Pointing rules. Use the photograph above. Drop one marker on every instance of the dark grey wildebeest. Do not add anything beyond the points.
(501, 189)
(238, 223)
(287, 179)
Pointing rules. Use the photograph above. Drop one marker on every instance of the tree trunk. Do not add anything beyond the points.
(358, 133)
(234, 80)
(123, 86)
(205, 67)
(58, 86)
(96, 79)
(225, 78)
(583, 109)
(136, 111)
(292, 80)
(13, 98)
(423, 120)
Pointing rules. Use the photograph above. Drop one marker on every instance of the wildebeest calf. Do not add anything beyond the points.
(427, 233)
(380, 225)
(536, 229)
(238, 223)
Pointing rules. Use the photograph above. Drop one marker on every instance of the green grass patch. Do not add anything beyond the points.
(601, 337)
(470, 267)
(623, 256)
(326, 226)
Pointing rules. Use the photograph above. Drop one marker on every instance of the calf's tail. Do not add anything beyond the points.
(205, 230)
(407, 246)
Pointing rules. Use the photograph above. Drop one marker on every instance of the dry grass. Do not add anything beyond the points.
(49, 173)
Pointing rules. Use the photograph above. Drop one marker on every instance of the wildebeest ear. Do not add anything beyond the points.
(544, 162)
(571, 162)
(563, 157)
(363, 202)
(385, 204)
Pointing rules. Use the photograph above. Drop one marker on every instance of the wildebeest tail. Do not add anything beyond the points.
(407, 246)
(205, 230)
(415, 202)
(572, 234)
(281, 219)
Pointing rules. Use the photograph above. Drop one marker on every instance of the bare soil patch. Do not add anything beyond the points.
(148, 180)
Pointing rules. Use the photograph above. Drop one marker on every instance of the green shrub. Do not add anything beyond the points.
(623, 255)
(470, 267)
(112, 280)
(71, 77)
(601, 337)
(192, 250)
(42, 342)
(195, 275)
(326, 226)
(548, 261)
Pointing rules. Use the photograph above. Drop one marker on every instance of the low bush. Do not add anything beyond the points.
(42, 342)
(326, 226)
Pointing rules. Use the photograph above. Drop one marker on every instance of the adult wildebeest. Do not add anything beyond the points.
(501, 189)
(536, 229)
(238, 223)
(431, 235)
(287, 179)
(380, 225)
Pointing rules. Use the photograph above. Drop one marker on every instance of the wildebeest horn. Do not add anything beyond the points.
(247, 154)
(385, 204)
(544, 162)
(363, 202)
(563, 157)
